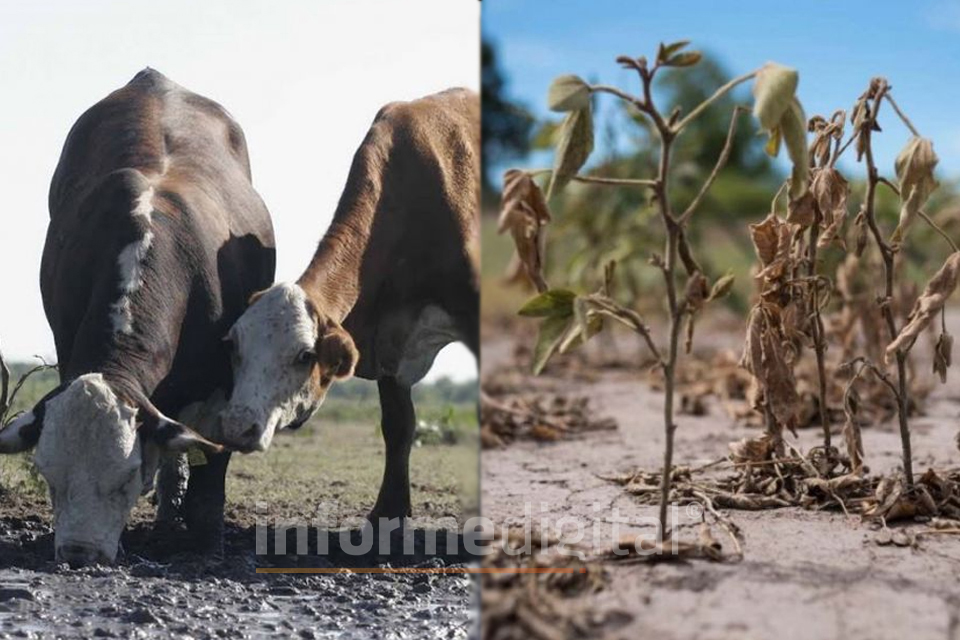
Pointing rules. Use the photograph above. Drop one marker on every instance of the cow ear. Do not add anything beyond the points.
(22, 434)
(337, 354)
(170, 435)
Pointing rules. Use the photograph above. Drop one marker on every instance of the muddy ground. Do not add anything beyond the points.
(805, 574)
(160, 589)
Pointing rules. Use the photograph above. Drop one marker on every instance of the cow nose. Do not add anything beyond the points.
(78, 554)
(252, 434)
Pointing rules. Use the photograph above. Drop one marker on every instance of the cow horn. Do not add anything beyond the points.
(167, 432)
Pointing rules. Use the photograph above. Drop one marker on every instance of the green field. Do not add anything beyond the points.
(336, 458)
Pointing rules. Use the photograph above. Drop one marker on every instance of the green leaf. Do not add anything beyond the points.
(552, 331)
(793, 124)
(773, 90)
(568, 93)
(577, 335)
(685, 59)
(721, 287)
(573, 149)
(552, 303)
(545, 136)
(667, 50)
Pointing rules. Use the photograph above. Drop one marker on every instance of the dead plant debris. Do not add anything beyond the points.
(538, 606)
(753, 478)
(539, 417)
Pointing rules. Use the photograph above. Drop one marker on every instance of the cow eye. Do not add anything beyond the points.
(305, 357)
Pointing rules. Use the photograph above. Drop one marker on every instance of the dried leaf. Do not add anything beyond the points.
(573, 149)
(914, 165)
(568, 93)
(767, 357)
(751, 449)
(942, 356)
(854, 443)
(861, 224)
(696, 292)
(830, 190)
(524, 212)
(772, 239)
(722, 287)
(934, 296)
(801, 210)
(766, 238)
(632, 547)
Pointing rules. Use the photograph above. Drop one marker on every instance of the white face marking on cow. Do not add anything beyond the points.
(89, 454)
(274, 344)
(130, 262)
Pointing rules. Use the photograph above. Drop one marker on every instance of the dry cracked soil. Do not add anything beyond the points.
(805, 575)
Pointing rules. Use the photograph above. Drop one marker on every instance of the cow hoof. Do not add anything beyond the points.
(207, 539)
(381, 516)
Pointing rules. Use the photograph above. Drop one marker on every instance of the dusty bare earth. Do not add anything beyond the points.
(805, 574)
(160, 589)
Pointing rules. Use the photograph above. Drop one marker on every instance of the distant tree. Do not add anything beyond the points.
(506, 125)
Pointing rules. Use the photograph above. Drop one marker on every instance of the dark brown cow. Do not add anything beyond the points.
(156, 241)
(394, 280)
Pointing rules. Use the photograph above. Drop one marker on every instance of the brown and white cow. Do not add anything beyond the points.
(156, 241)
(394, 280)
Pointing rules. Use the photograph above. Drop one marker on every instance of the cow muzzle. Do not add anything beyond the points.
(243, 430)
(81, 554)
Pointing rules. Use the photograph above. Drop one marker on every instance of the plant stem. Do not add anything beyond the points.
(621, 182)
(673, 231)
(903, 117)
(721, 162)
(887, 253)
(923, 215)
(819, 346)
(719, 93)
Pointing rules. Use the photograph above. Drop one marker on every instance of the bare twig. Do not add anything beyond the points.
(721, 162)
(887, 254)
(623, 95)
(933, 225)
(818, 330)
(719, 93)
(889, 98)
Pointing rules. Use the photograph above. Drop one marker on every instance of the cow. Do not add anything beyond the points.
(395, 279)
(156, 241)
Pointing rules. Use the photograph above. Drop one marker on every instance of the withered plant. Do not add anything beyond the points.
(7, 395)
(571, 318)
(793, 292)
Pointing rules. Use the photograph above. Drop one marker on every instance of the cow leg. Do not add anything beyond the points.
(171, 487)
(398, 422)
(203, 505)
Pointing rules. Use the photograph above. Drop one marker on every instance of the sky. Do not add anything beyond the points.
(304, 80)
(837, 46)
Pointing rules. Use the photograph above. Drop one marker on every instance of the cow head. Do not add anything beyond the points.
(98, 453)
(286, 354)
